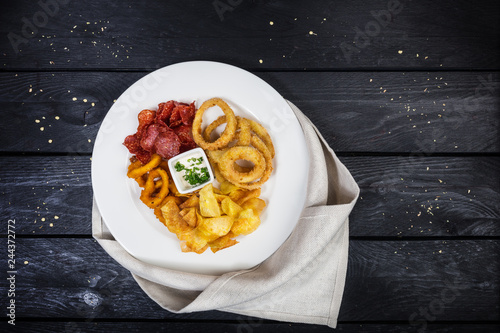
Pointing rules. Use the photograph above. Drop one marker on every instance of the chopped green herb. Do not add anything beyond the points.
(179, 167)
(193, 175)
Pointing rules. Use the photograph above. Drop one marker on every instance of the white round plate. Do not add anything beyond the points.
(135, 226)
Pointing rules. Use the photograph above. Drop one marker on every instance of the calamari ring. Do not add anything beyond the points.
(147, 195)
(134, 164)
(228, 161)
(262, 148)
(141, 180)
(228, 133)
(141, 170)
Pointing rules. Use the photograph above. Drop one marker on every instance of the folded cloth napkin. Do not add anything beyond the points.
(303, 281)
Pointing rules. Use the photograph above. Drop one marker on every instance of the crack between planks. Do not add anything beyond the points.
(261, 70)
(238, 321)
(352, 238)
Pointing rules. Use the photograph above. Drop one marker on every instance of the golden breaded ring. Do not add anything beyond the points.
(215, 168)
(228, 161)
(263, 135)
(243, 133)
(228, 133)
(147, 195)
(213, 125)
(262, 148)
(215, 155)
(137, 169)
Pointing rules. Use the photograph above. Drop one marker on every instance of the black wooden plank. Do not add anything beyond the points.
(283, 34)
(452, 281)
(400, 196)
(47, 195)
(425, 196)
(425, 281)
(417, 112)
(243, 325)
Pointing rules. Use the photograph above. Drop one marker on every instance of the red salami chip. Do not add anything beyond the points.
(167, 144)
(146, 118)
(166, 132)
(164, 112)
(143, 156)
(175, 118)
(187, 113)
(149, 136)
(184, 134)
(132, 143)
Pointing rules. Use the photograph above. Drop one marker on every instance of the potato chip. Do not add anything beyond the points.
(257, 204)
(246, 223)
(223, 242)
(227, 187)
(192, 201)
(240, 196)
(215, 227)
(193, 241)
(173, 220)
(209, 206)
(231, 208)
(189, 215)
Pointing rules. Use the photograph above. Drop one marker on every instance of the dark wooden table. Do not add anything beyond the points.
(406, 93)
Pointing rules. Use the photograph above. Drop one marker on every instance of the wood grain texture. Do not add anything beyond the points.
(415, 196)
(409, 112)
(241, 325)
(386, 281)
(328, 35)
(409, 99)
(47, 195)
(425, 196)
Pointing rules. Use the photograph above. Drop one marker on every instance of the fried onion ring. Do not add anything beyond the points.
(245, 128)
(262, 148)
(227, 164)
(243, 133)
(262, 133)
(228, 133)
(212, 126)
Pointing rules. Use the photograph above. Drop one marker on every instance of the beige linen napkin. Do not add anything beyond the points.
(303, 281)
